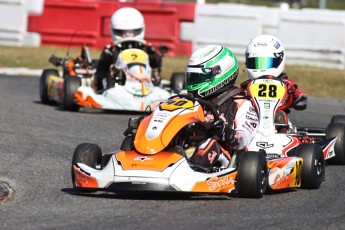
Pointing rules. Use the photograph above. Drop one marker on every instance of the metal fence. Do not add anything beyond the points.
(326, 4)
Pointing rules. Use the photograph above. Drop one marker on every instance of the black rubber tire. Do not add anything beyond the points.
(127, 143)
(86, 153)
(337, 130)
(313, 170)
(177, 82)
(46, 74)
(70, 86)
(338, 119)
(252, 175)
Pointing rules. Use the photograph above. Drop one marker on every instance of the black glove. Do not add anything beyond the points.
(300, 103)
(217, 128)
(229, 134)
(150, 50)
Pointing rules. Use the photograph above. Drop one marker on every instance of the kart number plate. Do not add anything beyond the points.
(177, 103)
(267, 90)
(134, 55)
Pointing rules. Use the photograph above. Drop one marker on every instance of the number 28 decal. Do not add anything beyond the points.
(267, 90)
(270, 92)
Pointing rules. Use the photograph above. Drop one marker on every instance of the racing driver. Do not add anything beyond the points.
(126, 22)
(211, 74)
(265, 57)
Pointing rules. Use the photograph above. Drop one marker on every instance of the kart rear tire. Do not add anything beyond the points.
(313, 170)
(127, 143)
(337, 130)
(177, 82)
(70, 86)
(89, 154)
(252, 175)
(338, 119)
(46, 74)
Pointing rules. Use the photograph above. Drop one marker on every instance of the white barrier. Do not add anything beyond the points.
(14, 20)
(311, 37)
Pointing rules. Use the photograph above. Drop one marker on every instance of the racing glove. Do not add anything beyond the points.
(223, 131)
(150, 49)
(300, 103)
(217, 128)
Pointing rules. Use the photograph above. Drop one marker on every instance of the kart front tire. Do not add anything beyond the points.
(86, 153)
(252, 175)
(127, 143)
(70, 86)
(313, 170)
(43, 88)
(177, 82)
(338, 119)
(337, 130)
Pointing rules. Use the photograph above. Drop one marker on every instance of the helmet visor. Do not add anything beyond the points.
(127, 33)
(196, 75)
(263, 62)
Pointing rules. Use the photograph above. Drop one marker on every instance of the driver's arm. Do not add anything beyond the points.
(245, 124)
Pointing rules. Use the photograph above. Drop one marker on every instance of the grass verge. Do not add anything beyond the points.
(318, 82)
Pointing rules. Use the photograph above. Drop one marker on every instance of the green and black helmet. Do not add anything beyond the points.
(211, 70)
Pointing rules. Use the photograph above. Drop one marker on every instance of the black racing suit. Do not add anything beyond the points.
(109, 56)
(240, 125)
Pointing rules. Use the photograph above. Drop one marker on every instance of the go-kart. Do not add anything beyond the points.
(75, 72)
(133, 88)
(314, 145)
(155, 156)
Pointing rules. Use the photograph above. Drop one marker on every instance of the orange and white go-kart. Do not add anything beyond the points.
(155, 157)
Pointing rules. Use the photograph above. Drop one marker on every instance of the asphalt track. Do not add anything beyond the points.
(36, 146)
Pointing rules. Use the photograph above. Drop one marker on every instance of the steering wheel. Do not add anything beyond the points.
(130, 40)
(209, 106)
(202, 102)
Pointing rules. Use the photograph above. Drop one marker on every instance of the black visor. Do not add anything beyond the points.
(122, 33)
(196, 75)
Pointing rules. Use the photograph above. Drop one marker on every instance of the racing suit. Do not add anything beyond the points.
(235, 131)
(109, 56)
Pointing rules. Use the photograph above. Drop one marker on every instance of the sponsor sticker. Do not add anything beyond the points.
(277, 45)
(215, 183)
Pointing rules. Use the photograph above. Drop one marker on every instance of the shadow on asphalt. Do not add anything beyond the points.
(164, 195)
(148, 195)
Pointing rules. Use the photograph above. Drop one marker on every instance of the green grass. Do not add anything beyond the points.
(314, 81)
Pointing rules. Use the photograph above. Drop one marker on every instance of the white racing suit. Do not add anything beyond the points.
(240, 127)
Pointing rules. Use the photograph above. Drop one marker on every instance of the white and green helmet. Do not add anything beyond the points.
(211, 70)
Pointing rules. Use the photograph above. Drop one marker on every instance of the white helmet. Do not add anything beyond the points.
(265, 55)
(127, 22)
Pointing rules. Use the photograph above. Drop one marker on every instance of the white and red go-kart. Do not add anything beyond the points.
(155, 157)
(267, 96)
